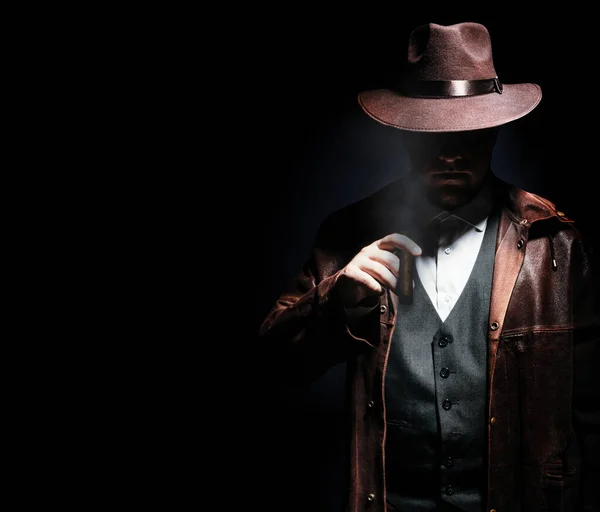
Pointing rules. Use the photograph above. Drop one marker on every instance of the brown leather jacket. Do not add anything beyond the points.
(543, 402)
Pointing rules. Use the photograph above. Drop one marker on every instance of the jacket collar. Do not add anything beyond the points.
(526, 207)
(523, 207)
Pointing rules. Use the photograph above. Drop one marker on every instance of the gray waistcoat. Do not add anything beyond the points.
(436, 389)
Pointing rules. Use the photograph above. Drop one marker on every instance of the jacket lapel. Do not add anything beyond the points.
(510, 253)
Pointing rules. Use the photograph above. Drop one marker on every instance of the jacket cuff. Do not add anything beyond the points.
(360, 322)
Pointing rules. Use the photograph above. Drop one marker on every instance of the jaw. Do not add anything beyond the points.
(449, 197)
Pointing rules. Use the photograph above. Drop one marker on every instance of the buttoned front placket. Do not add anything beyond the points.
(510, 255)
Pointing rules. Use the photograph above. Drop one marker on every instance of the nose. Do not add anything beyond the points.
(451, 149)
(450, 155)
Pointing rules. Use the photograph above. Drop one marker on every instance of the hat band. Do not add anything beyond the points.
(450, 88)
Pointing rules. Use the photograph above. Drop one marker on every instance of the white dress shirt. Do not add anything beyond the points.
(455, 238)
(444, 274)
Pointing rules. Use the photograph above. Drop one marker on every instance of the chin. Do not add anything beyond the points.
(449, 197)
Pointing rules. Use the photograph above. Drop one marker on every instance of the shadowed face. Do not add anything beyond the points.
(451, 166)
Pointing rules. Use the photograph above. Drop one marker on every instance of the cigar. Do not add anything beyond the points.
(404, 287)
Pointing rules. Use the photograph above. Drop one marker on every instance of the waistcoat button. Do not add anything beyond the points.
(447, 404)
(445, 372)
(444, 340)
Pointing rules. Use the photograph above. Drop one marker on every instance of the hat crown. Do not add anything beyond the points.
(450, 52)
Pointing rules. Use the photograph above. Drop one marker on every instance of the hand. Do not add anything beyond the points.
(374, 269)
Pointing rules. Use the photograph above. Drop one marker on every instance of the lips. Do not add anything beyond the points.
(449, 175)
(447, 172)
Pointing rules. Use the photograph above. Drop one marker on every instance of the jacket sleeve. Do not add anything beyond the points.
(586, 382)
(308, 330)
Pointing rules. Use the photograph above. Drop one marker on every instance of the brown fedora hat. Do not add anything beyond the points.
(450, 84)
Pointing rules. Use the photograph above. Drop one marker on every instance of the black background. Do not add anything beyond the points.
(216, 142)
(307, 149)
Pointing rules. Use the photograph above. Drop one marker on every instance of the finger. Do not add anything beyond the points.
(398, 241)
(379, 272)
(386, 258)
(370, 282)
(357, 274)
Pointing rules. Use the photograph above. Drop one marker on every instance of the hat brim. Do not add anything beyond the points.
(450, 114)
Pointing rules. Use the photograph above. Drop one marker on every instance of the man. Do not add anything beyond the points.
(461, 305)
